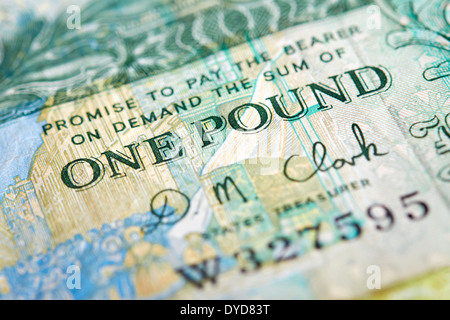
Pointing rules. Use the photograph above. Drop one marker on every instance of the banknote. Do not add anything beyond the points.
(225, 149)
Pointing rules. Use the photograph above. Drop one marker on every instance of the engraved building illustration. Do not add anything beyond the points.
(25, 219)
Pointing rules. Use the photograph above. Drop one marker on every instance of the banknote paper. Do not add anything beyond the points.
(226, 150)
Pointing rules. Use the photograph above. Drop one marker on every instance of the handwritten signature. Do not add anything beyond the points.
(319, 154)
(164, 213)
